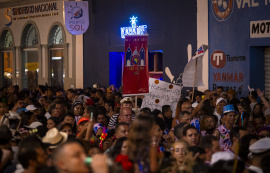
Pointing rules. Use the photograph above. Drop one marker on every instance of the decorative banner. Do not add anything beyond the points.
(135, 75)
(194, 66)
(76, 16)
(161, 93)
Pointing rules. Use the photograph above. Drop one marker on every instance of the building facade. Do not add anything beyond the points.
(35, 47)
(239, 45)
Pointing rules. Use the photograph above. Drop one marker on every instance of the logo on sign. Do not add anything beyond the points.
(222, 9)
(135, 58)
(8, 17)
(76, 16)
(218, 59)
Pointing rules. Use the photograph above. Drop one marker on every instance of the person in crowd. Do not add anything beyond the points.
(178, 131)
(257, 110)
(258, 123)
(5, 147)
(120, 147)
(244, 144)
(191, 135)
(121, 130)
(220, 89)
(32, 155)
(180, 150)
(253, 96)
(220, 103)
(140, 150)
(232, 99)
(223, 131)
(78, 110)
(4, 117)
(70, 158)
(101, 101)
(117, 98)
(71, 95)
(259, 150)
(211, 145)
(126, 102)
(125, 116)
(52, 122)
(60, 108)
(236, 133)
(81, 124)
(67, 128)
(109, 105)
(167, 114)
(210, 124)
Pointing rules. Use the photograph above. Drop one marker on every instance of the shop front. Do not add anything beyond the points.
(35, 47)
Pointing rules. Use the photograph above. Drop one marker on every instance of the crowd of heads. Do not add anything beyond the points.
(98, 130)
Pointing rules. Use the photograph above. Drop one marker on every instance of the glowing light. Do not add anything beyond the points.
(134, 29)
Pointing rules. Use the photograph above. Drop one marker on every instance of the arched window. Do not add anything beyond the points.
(30, 36)
(56, 35)
(57, 67)
(30, 57)
(6, 57)
(6, 39)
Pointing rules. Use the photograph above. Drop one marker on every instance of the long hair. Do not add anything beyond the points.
(140, 139)
(117, 147)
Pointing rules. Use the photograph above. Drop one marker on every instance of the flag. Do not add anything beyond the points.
(189, 71)
(135, 75)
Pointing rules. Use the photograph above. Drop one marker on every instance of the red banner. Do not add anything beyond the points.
(135, 75)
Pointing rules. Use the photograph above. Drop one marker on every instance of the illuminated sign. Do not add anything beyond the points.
(134, 29)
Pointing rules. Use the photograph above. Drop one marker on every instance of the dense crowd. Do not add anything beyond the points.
(97, 130)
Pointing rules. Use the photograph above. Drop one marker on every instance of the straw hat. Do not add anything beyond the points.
(54, 138)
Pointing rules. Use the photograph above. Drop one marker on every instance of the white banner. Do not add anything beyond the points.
(76, 16)
(161, 93)
(189, 71)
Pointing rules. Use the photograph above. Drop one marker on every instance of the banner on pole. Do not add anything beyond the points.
(161, 93)
(76, 16)
(135, 75)
(190, 68)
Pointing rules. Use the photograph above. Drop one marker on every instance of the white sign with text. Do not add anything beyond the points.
(161, 93)
(260, 29)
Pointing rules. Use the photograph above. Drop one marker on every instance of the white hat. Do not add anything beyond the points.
(221, 99)
(126, 99)
(31, 108)
(260, 146)
(55, 138)
(267, 112)
(221, 155)
(34, 125)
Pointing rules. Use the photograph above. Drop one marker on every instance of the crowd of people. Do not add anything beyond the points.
(98, 130)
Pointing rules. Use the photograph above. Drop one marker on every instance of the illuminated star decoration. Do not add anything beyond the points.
(133, 21)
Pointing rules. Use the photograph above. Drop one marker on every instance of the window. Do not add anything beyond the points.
(155, 64)
(6, 57)
(57, 70)
(30, 57)
(56, 35)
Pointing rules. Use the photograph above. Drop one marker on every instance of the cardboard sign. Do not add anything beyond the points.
(161, 93)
